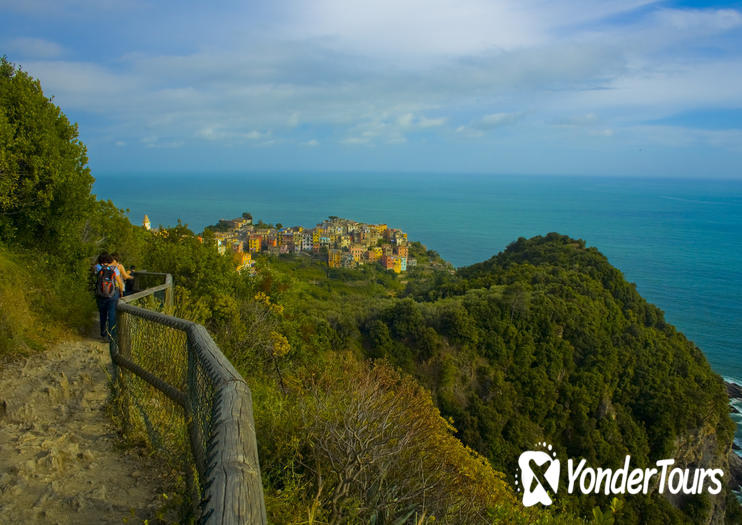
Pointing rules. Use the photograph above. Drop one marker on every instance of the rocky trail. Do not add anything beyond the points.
(61, 460)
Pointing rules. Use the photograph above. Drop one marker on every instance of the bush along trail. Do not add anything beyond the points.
(61, 460)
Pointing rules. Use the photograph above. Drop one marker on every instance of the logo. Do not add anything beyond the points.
(540, 475)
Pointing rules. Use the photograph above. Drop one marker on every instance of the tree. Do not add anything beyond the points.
(381, 453)
(44, 179)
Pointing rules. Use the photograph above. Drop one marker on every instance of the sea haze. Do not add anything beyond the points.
(679, 240)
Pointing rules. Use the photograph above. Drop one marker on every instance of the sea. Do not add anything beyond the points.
(679, 240)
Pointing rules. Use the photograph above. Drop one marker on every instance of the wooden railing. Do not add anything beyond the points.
(206, 404)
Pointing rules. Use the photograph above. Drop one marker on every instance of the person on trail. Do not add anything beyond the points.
(108, 284)
(126, 277)
(129, 283)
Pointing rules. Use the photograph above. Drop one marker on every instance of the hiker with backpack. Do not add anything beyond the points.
(126, 277)
(108, 285)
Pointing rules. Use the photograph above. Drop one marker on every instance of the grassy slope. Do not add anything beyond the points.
(37, 307)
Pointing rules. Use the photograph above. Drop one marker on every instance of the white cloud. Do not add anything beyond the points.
(406, 120)
(390, 127)
(218, 132)
(589, 123)
(311, 143)
(700, 21)
(389, 72)
(85, 85)
(356, 140)
(33, 48)
(442, 28)
(431, 122)
(668, 88)
(480, 126)
(151, 141)
(496, 120)
(255, 135)
(605, 132)
(410, 121)
(680, 137)
(587, 119)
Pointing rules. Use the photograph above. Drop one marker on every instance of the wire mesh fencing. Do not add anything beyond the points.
(177, 392)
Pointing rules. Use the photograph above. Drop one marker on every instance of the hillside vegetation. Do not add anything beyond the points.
(408, 467)
(545, 341)
(380, 398)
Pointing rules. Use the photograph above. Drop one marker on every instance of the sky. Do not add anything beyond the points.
(585, 87)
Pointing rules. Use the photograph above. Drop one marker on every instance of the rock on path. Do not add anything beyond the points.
(60, 456)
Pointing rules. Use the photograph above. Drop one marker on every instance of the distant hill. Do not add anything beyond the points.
(548, 341)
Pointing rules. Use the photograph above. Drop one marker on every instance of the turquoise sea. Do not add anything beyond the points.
(679, 240)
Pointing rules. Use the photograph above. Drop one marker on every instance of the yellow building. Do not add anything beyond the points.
(334, 258)
(254, 243)
(243, 260)
(356, 251)
(374, 254)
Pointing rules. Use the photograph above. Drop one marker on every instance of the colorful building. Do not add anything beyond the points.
(374, 254)
(356, 251)
(244, 262)
(348, 243)
(255, 243)
(334, 258)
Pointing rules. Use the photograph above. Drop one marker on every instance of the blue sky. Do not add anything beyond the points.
(531, 86)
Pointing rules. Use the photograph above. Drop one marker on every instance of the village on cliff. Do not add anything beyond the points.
(342, 243)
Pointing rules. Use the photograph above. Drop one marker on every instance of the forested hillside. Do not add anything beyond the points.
(545, 341)
(548, 341)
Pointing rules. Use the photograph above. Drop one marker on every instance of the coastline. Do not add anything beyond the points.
(734, 392)
(682, 254)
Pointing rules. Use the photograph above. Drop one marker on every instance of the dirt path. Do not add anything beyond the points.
(60, 457)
